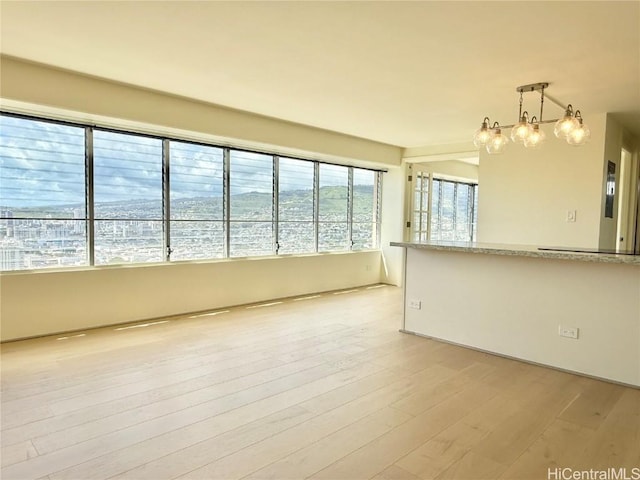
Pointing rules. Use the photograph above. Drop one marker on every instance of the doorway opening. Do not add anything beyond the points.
(627, 224)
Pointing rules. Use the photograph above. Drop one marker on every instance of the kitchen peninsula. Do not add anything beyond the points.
(528, 303)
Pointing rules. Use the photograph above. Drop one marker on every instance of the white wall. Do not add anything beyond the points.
(92, 99)
(451, 169)
(615, 136)
(514, 305)
(393, 199)
(524, 195)
(45, 302)
(39, 303)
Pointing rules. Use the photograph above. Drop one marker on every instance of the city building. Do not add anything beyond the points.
(249, 329)
(11, 256)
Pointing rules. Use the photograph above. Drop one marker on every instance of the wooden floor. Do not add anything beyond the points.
(319, 387)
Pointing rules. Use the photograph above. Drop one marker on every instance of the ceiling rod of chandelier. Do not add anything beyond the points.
(527, 130)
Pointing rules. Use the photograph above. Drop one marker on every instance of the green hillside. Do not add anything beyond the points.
(293, 203)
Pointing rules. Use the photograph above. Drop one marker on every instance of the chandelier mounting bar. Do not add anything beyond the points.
(527, 129)
(532, 87)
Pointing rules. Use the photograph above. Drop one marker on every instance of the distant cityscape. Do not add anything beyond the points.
(44, 219)
(132, 232)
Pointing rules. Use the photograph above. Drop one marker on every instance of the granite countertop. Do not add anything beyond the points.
(522, 251)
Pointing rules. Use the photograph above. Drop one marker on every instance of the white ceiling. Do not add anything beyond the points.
(404, 73)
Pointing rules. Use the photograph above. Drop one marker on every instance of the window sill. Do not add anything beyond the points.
(182, 262)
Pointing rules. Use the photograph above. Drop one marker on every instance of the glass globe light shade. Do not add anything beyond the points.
(497, 143)
(482, 135)
(535, 138)
(520, 131)
(565, 125)
(579, 136)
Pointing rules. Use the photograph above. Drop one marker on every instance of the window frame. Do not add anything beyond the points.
(89, 206)
(163, 218)
(314, 207)
(348, 209)
(430, 180)
(170, 246)
(375, 212)
(79, 170)
(230, 219)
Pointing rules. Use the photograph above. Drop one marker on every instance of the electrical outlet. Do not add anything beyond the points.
(569, 332)
(415, 304)
(571, 216)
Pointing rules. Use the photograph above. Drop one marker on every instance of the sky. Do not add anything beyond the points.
(42, 163)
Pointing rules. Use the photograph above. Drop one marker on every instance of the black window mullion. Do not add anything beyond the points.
(350, 193)
(89, 208)
(316, 204)
(276, 204)
(421, 191)
(166, 203)
(455, 209)
(440, 198)
(430, 188)
(378, 197)
(472, 216)
(226, 194)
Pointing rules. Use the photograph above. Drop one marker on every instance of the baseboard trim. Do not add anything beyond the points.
(523, 360)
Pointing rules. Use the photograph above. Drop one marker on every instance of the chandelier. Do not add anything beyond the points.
(527, 130)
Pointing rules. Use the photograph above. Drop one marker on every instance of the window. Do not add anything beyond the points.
(452, 214)
(78, 195)
(445, 216)
(457, 213)
(296, 231)
(474, 226)
(333, 232)
(365, 226)
(43, 219)
(421, 208)
(196, 201)
(466, 212)
(128, 198)
(251, 204)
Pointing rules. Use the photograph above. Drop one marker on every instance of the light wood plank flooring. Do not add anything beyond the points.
(321, 387)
